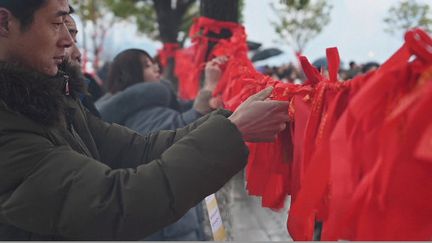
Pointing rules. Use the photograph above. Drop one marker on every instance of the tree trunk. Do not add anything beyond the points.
(169, 21)
(223, 10)
(169, 24)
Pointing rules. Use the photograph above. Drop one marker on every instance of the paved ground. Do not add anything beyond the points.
(244, 218)
(251, 222)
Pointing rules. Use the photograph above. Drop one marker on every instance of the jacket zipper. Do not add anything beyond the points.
(67, 89)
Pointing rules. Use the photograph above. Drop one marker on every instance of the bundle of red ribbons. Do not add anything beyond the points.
(357, 155)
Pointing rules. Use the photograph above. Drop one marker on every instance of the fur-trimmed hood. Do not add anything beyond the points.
(36, 96)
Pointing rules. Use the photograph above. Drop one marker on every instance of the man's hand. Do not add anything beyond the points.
(213, 72)
(259, 119)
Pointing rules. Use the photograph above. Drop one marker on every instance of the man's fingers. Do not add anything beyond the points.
(282, 127)
(262, 95)
(277, 103)
(221, 59)
(218, 61)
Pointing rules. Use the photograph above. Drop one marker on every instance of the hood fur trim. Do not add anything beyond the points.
(36, 96)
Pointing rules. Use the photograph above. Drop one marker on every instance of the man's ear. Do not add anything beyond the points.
(5, 17)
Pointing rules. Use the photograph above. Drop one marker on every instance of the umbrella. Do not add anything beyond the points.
(253, 46)
(278, 60)
(266, 53)
(320, 63)
(369, 66)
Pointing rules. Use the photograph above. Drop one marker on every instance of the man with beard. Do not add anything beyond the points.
(65, 174)
(72, 67)
(189, 226)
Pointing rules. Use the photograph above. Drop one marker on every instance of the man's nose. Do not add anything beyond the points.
(66, 39)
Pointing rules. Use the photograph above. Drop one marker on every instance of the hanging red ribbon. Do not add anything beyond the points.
(193, 59)
(377, 176)
(168, 51)
(334, 159)
(269, 169)
(207, 25)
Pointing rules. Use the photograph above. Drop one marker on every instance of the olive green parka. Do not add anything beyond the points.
(67, 175)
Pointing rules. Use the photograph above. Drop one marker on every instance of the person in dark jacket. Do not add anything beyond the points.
(139, 100)
(67, 175)
(142, 102)
(72, 65)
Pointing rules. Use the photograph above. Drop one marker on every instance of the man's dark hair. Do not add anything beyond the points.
(23, 10)
(126, 70)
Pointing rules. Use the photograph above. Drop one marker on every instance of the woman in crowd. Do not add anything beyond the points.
(140, 100)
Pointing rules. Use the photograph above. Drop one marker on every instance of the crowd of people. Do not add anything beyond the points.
(128, 160)
(67, 174)
(291, 73)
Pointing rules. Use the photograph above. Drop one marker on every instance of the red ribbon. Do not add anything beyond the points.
(208, 25)
(168, 51)
(192, 60)
(329, 121)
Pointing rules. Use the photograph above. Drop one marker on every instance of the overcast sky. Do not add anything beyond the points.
(356, 28)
